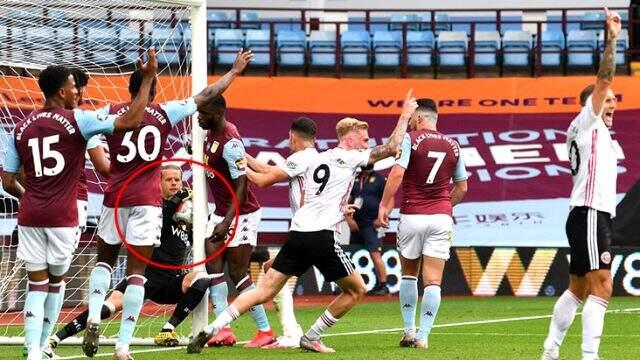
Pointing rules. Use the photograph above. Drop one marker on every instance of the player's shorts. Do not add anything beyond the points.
(47, 245)
(247, 231)
(162, 286)
(590, 233)
(428, 235)
(369, 237)
(82, 215)
(318, 248)
(140, 225)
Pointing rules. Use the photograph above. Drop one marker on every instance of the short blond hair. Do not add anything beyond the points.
(344, 126)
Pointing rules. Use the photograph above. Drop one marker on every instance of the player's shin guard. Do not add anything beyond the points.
(52, 307)
(80, 322)
(592, 324)
(284, 300)
(428, 310)
(218, 293)
(408, 302)
(131, 305)
(257, 312)
(189, 301)
(325, 321)
(34, 315)
(564, 311)
(98, 286)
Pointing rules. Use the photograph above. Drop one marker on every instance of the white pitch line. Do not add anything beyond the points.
(464, 323)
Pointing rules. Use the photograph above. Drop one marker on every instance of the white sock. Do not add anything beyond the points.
(287, 317)
(564, 312)
(592, 324)
(325, 321)
(168, 326)
(225, 318)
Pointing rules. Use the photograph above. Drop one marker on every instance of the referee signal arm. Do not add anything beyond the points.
(391, 147)
(210, 92)
(133, 118)
(607, 67)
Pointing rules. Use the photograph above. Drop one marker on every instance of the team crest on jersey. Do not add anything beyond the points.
(605, 257)
(214, 147)
(372, 179)
(241, 164)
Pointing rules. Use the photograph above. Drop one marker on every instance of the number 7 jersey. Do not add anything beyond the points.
(327, 185)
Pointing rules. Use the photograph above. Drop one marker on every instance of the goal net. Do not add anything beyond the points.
(104, 39)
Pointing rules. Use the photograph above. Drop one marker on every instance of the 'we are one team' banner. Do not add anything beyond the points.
(511, 131)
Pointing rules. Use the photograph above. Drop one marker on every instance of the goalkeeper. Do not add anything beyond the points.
(163, 286)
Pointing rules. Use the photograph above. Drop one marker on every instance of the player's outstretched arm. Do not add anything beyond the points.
(390, 189)
(132, 118)
(607, 68)
(273, 175)
(257, 165)
(11, 185)
(393, 143)
(242, 60)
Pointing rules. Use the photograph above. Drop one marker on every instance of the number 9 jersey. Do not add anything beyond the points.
(327, 185)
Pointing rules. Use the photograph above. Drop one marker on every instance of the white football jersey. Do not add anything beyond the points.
(295, 167)
(593, 162)
(327, 185)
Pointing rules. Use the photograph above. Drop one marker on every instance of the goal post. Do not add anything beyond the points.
(104, 39)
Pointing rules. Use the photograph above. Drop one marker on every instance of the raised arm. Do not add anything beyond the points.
(390, 148)
(132, 118)
(390, 189)
(607, 68)
(217, 88)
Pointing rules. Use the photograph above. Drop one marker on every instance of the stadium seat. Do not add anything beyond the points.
(251, 17)
(592, 20)
(516, 46)
(168, 41)
(214, 19)
(441, 22)
(552, 47)
(355, 48)
(420, 45)
(102, 42)
(487, 45)
(322, 47)
(65, 40)
(129, 44)
(452, 46)
(226, 43)
(581, 45)
(412, 20)
(291, 46)
(622, 44)
(259, 42)
(387, 46)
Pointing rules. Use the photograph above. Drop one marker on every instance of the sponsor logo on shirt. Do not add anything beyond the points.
(292, 165)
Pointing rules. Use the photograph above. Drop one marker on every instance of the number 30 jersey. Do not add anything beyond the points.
(593, 161)
(132, 150)
(431, 160)
(327, 184)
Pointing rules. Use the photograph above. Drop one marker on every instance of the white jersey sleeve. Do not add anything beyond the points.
(587, 115)
(356, 159)
(295, 167)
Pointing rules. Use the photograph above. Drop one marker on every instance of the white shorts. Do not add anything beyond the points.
(82, 215)
(428, 235)
(247, 231)
(140, 225)
(47, 245)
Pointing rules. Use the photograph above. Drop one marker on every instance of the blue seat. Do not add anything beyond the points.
(412, 20)
(516, 46)
(216, 20)
(580, 46)
(259, 42)
(39, 41)
(592, 20)
(129, 44)
(387, 46)
(100, 44)
(452, 47)
(420, 45)
(355, 48)
(248, 20)
(487, 45)
(227, 42)
(441, 22)
(552, 47)
(168, 41)
(322, 47)
(291, 45)
(622, 44)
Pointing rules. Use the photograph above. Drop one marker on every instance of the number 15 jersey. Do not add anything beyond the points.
(327, 185)
(593, 162)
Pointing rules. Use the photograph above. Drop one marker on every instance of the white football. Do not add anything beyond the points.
(184, 212)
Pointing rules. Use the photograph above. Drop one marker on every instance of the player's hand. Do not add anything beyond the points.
(220, 232)
(614, 23)
(377, 224)
(383, 217)
(351, 209)
(184, 194)
(410, 104)
(149, 68)
(242, 60)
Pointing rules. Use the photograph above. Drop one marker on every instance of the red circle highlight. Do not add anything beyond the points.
(130, 248)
